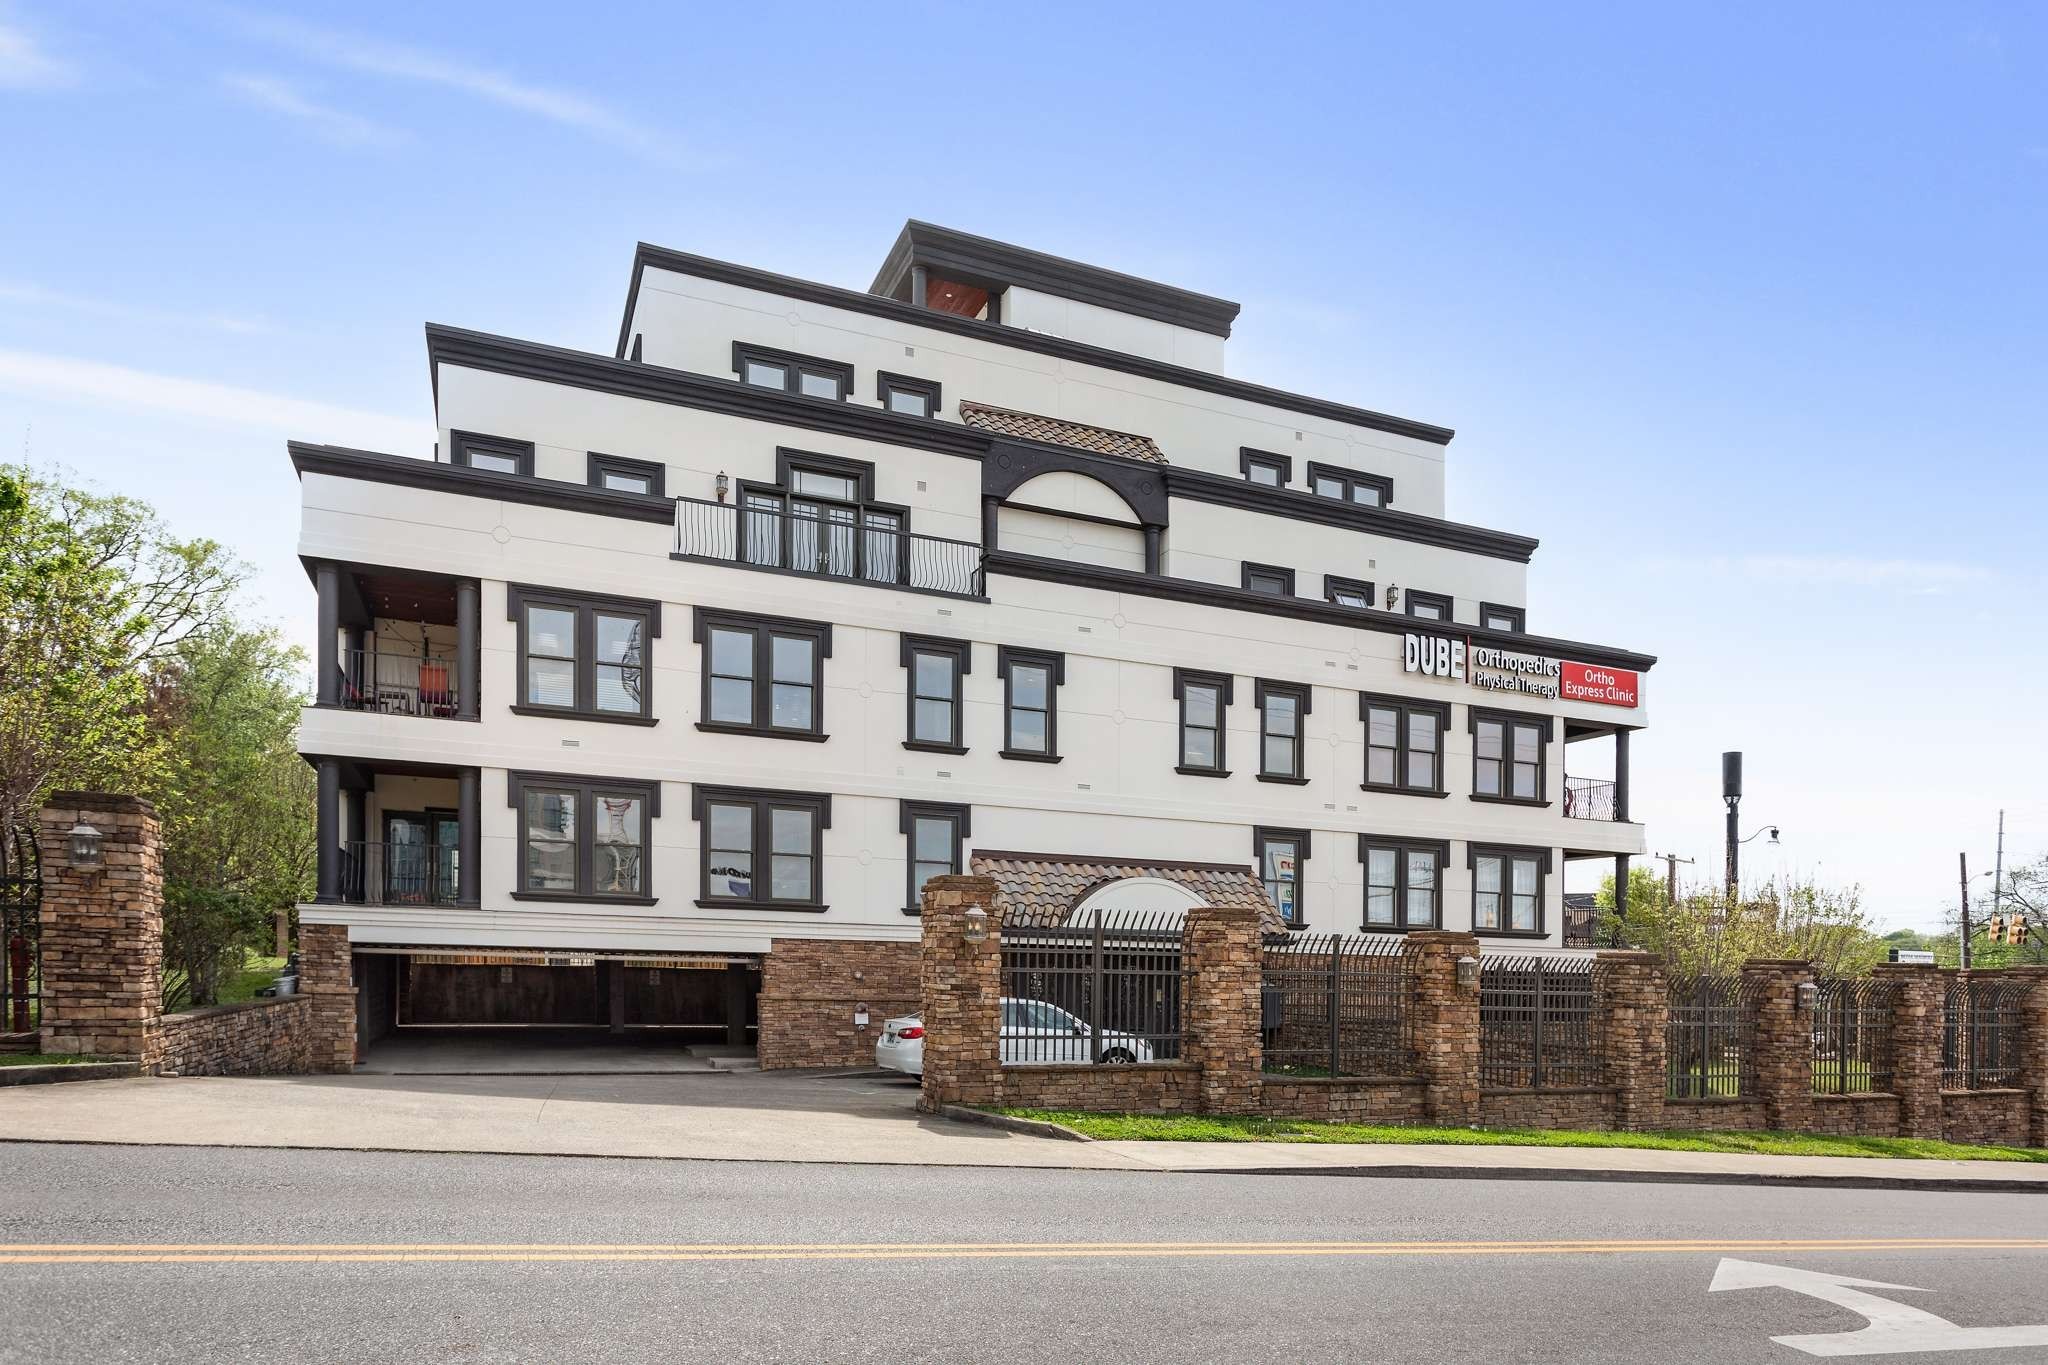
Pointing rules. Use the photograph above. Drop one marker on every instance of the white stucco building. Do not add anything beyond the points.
(680, 656)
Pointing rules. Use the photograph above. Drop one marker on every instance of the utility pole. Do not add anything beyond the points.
(1963, 939)
(1731, 793)
(1671, 862)
(1998, 868)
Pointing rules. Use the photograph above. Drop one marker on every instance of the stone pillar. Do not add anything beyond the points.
(1631, 1000)
(1783, 1040)
(2034, 1051)
(468, 654)
(1916, 1045)
(468, 840)
(102, 930)
(326, 976)
(961, 985)
(1445, 1018)
(327, 635)
(1220, 1014)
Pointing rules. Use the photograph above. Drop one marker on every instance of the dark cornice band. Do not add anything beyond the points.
(746, 277)
(407, 472)
(1199, 485)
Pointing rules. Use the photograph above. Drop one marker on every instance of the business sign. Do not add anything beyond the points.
(1604, 686)
(1918, 957)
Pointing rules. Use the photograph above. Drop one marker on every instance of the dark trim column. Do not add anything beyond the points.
(736, 993)
(326, 644)
(1153, 540)
(1621, 865)
(327, 821)
(468, 658)
(920, 284)
(995, 306)
(989, 511)
(1621, 774)
(355, 828)
(468, 876)
(615, 995)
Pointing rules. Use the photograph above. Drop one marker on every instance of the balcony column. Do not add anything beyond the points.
(467, 842)
(327, 634)
(468, 656)
(327, 820)
(920, 283)
(1621, 774)
(989, 521)
(1621, 862)
(1152, 550)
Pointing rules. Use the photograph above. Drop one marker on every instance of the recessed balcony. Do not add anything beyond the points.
(396, 643)
(822, 538)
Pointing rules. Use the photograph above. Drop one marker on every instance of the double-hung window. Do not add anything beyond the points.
(933, 669)
(763, 850)
(498, 454)
(1349, 485)
(1031, 683)
(1494, 616)
(763, 675)
(1347, 592)
(617, 474)
(1283, 718)
(1507, 889)
(1265, 468)
(1507, 756)
(583, 838)
(1203, 698)
(1271, 579)
(767, 368)
(1429, 606)
(909, 397)
(1404, 744)
(933, 833)
(1403, 882)
(583, 655)
(1280, 854)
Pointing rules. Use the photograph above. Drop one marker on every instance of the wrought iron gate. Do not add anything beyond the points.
(20, 961)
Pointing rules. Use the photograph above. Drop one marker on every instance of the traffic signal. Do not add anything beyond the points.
(2016, 931)
(1994, 929)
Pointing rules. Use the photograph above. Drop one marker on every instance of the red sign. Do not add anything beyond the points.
(1606, 686)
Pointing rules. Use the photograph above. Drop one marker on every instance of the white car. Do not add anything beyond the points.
(1033, 1031)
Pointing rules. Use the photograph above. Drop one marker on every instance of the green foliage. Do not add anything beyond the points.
(1710, 931)
(207, 934)
(1647, 894)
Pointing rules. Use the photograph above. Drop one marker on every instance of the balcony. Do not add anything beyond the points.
(827, 540)
(1589, 798)
(392, 684)
(395, 642)
(399, 873)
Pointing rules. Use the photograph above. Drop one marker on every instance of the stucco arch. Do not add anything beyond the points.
(1076, 493)
(1137, 895)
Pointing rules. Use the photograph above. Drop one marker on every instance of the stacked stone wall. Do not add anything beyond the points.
(812, 989)
(253, 1038)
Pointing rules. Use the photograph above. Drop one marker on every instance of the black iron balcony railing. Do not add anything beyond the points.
(398, 874)
(397, 684)
(1587, 798)
(830, 542)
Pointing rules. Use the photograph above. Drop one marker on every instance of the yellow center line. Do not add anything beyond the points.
(178, 1253)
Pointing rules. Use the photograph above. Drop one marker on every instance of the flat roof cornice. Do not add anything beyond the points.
(853, 300)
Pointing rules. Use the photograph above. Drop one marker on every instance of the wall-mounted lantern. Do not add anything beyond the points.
(84, 849)
(1808, 993)
(1468, 972)
(722, 485)
(977, 926)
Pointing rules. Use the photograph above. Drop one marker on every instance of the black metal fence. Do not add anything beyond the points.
(1852, 1035)
(1336, 1006)
(397, 684)
(1536, 1023)
(1980, 1032)
(1709, 1039)
(832, 542)
(1589, 798)
(1106, 988)
(398, 874)
(20, 956)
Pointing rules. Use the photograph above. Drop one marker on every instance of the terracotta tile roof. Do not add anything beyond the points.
(1029, 426)
(1043, 889)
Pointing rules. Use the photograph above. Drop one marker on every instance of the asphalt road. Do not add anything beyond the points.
(199, 1254)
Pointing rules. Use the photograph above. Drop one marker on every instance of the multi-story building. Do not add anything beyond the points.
(700, 657)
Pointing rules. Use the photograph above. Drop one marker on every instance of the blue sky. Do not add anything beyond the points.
(1740, 311)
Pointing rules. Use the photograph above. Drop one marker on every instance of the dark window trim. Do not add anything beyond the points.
(1519, 615)
(702, 619)
(519, 596)
(1056, 663)
(599, 464)
(887, 380)
(1265, 834)
(1332, 582)
(1247, 456)
(1545, 729)
(1473, 853)
(461, 443)
(1225, 685)
(1403, 845)
(1246, 568)
(1351, 479)
(1402, 706)
(792, 362)
(762, 800)
(1304, 697)
(908, 813)
(587, 789)
(961, 652)
(1442, 601)
(789, 459)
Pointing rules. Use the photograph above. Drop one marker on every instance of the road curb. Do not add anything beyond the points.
(1035, 1127)
(67, 1071)
(1960, 1184)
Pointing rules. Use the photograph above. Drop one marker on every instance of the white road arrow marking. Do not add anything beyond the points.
(1894, 1328)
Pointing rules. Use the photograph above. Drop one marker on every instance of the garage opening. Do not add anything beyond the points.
(511, 1011)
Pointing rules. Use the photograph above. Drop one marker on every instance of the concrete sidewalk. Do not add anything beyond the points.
(857, 1118)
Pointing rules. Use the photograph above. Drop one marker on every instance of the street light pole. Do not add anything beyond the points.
(1963, 939)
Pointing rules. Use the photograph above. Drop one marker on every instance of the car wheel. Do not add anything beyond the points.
(1118, 1056)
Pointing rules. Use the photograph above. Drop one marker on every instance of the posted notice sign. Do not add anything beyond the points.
(1606, 686)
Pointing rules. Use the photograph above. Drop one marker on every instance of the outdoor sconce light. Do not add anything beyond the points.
(721, 485)
(1808, 993)
(1468, 972)
(85, 847)
(977, 925)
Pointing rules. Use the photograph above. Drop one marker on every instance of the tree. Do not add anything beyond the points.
(2025, 894)
(1707, 931)
(1647, 895)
